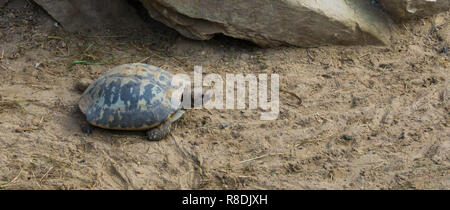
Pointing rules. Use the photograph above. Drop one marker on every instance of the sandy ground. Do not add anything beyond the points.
(369, 117)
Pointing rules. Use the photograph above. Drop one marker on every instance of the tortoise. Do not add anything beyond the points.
(133, 97)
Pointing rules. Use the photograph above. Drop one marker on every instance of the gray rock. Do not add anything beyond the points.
(92, 16)
(305, 23)
(3, 3)
(410, 9)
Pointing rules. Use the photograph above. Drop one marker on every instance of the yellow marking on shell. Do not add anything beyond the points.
(139, 71)
(157, 74)
(142, 128)
(168, 101)
(101, 114)
(164, 82)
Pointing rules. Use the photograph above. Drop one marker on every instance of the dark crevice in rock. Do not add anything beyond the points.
(141, 11)
(230, 41)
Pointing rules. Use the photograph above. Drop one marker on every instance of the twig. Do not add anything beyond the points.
(178, 62)
(406, 28)
(103, 36)
(34, 176)
(293, 94)
(209, 111)
(88, 63)
(55, 37)
(181, 150)
(42, 119)
(4, 67)
(89, 47)
(256, 158)
(46, 174)
(13, 180)
(145, 59)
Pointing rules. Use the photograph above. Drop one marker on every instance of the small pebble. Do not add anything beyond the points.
(444, 49)
(347, 138)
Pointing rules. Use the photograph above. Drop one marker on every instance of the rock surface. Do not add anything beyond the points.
(91, 16)
(410, 9)
(3, 3)
(305, 23)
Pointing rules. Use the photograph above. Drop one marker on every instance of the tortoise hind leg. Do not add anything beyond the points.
(87, 128)
(159, 132)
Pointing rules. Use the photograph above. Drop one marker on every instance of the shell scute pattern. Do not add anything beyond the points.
(129, 97)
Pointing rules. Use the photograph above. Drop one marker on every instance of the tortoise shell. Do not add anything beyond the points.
(130, 97)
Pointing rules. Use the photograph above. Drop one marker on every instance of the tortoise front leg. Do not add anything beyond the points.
(83, 84)
(159, 132)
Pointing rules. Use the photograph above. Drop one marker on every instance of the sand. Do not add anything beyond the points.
(359, 117)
